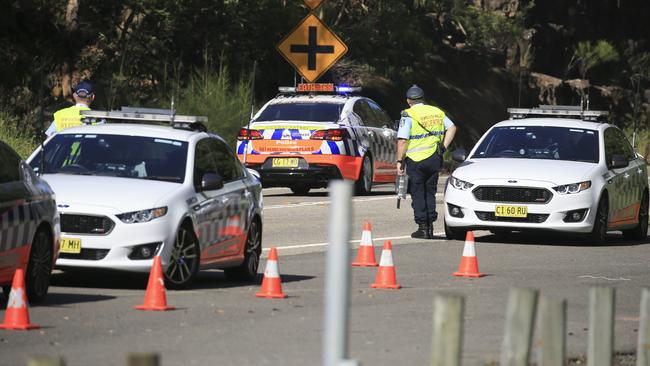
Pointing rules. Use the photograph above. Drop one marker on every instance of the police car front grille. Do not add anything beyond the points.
(86, 224)
(530, 218)
(87, 254)
(512, 194)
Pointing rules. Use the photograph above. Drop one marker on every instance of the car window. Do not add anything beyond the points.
(362, 109)
(301, 111)
(204, 160)
(540, 142)
(383, 120)
(617, 144)
(9, 165)
(137, 157)
(228, 165)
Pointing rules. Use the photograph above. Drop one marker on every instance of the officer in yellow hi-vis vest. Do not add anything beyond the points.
(424, 134)
(70, 117)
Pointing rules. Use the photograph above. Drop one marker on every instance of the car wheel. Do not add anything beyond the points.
(454, 233)
(6, 290)
(364, 183)
(599, 231)
(247, 271)
(39, 267)
(184, 259)
(300, 189)
(641, 230)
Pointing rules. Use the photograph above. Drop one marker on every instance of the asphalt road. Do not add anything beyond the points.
(89, 318)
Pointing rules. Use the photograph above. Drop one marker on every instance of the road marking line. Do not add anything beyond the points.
(300, 246)
(325, 203)
(606, 278)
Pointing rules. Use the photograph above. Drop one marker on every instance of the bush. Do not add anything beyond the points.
(19, 141)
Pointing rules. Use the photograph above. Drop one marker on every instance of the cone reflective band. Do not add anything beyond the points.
(155, 298)
(17, 315)
(272, 283)
(386, 276)
(468, 266)
(366, 252)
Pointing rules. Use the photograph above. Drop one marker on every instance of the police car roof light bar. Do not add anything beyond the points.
(558, 111)
(145, 116)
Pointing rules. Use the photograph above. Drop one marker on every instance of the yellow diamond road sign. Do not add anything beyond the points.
(313, 4)
(312, 48)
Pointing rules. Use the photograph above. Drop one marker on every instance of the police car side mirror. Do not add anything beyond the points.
(210, 182)
(618, 161)
(459, 155)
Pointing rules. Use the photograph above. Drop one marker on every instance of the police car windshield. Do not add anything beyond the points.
(540, 142)
(310, 112)
(115, 155)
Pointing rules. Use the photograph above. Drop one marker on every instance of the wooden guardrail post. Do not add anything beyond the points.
(447, 339)
(143, 359)
(45, 361)
(643, 349)
(601, 326)
(552, 338)
(520, 320)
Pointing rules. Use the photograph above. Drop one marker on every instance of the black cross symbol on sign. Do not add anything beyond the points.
(311, 49)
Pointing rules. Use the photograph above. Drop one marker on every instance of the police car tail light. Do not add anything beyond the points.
(573, 187)
(459, 184)
(142, 215)
(336, 134)
(246, 134)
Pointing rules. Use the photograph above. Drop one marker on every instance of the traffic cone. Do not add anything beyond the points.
(17, 315)
(386, 277)
(272, 283)
(468, 262)
(155, 298)
(366, 252)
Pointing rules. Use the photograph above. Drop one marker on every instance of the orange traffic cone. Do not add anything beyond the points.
(386, 277)
(272, 284)
(17, 316)
(366, 252)
(155, 298)
(468, 262)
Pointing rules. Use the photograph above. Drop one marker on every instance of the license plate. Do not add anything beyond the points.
(511, 211)
(70, 245)
(284, 163)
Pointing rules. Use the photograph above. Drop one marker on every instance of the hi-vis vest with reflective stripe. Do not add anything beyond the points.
(68, 117)
(422, 143)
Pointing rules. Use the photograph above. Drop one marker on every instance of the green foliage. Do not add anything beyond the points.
(588, 55)
(19, 141)
(211, 93)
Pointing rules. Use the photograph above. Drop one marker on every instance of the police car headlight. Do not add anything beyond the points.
(460, 184)
(573, 187)
(142, 215)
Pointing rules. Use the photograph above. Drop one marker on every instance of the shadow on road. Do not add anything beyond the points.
(62, 298)
(217, 279)
(543, 238)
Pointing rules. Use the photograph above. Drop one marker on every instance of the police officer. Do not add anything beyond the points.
(71, 117)
(424, 134)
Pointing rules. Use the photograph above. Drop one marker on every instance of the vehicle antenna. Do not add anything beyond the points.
(41, 168)
(248, 127)
(173, 112)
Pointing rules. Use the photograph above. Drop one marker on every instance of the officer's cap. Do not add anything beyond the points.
(415, 92)
(84, 89)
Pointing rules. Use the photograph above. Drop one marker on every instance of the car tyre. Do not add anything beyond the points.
(6, 290)
(599, 232)
(247, 271)
(454, 233)
(363, 185)
(39, 267)
(640, 232)
(184, 259)
(300, 189)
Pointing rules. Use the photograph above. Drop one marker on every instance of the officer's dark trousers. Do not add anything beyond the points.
(423, 180)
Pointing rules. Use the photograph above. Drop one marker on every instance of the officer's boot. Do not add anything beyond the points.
(431, 230)
(423, 232)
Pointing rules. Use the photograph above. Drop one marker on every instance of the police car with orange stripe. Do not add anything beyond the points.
(313, 133)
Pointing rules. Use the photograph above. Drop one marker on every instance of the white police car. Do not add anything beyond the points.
(313, 133)
(538, 171)
(29, 226)
(132, 190)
